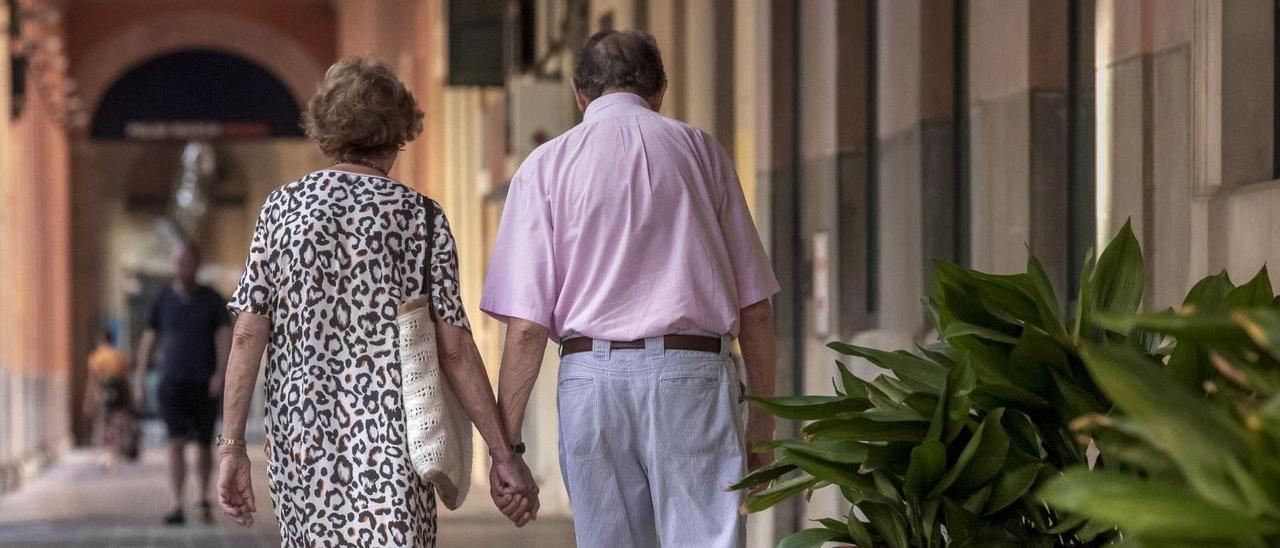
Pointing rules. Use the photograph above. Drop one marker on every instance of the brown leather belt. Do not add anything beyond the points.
(670, 342)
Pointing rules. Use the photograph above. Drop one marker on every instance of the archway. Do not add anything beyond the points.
(196, 94)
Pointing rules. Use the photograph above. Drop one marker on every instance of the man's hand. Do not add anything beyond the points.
(760, 425)
(513, 490)
(235, 487)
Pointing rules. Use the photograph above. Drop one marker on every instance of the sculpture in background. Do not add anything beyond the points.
(189, 203)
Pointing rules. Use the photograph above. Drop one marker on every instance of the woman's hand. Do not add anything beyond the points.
(513, 489)
(235, 487)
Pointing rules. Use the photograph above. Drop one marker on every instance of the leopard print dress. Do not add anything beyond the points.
(332, 256)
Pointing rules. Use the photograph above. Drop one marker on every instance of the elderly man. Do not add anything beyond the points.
(628, 241)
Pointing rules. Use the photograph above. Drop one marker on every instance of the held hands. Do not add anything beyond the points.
(235, 488)
(512, 487)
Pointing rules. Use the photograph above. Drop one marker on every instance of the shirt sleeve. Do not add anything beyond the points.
(256, 293)
(521, 282)
(752, 270)
(221, 316)
(446, 292)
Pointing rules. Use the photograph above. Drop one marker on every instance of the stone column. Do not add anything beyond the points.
(1184, 122)
(708, 68)
(667, 24)
(1019, 136)
(915, 204)
(777, 194)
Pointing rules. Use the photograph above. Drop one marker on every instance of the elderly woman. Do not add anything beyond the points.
(332, 256)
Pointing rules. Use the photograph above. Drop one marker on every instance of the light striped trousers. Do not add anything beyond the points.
(649, 440)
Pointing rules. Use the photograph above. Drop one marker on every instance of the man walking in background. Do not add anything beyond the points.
(190, 323)
(628, 241)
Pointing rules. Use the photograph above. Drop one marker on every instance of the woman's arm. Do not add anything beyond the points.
(460, 360)
(248, 342)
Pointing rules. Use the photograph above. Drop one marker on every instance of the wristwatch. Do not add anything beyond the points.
(517, 448)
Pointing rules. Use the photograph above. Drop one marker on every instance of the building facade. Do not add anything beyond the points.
(872, 137)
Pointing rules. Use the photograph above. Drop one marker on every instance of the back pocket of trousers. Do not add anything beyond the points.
(580, 421)
(694, 415)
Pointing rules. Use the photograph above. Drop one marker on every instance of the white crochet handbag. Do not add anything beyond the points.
(438, 430)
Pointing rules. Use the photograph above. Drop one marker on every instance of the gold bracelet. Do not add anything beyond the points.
(232, 442)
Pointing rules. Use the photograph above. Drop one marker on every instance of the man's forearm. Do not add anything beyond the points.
(521, 361)
(759, 351)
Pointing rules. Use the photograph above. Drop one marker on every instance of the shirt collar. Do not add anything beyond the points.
(614, 104)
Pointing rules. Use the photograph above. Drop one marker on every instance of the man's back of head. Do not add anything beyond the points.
(626, 60)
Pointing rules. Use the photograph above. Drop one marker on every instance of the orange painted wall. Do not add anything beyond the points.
(311, 23)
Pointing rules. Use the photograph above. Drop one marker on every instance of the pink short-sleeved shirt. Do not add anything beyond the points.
(630, 225)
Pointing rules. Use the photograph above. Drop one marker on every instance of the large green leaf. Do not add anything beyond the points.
(1011, 486)
(1209, 328)
(993, 395)
(1010, 297)
(981, 458)
(928, 461)
(914, 370)
(1147, 508)
(764, 474)
(858, 530)
(960, 329)
(1255, 292)
(1084, 299)
(839, 451)
(887, 521)
(1030, 359)
(862, 429)
(1045, 298)
(1117, 280)
(953, 405)
(779, 492)
(956, 295)
(1262, 326)
(812, 538)
(1209, 294)
(1196, 436)
(842, 474)
(808, 407)
(853, 386)
(988, 359)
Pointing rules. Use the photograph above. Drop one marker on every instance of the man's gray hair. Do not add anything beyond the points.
(626, 60)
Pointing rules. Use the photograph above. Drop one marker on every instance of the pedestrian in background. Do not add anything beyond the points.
(627, 240)
(109, 402)
(190, 324)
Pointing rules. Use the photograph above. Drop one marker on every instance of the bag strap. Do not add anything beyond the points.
(429, 281)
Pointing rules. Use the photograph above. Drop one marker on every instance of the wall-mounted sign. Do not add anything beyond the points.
(195, 130)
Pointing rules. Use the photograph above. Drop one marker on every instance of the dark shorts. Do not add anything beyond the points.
(116, 395)
(188, 411)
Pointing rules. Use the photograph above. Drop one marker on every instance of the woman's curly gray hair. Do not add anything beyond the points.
(361, 109)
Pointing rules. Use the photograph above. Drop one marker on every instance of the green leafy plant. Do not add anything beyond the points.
(963, 442)
(1195, 432)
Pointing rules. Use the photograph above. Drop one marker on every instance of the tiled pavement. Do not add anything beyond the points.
(78, 504)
